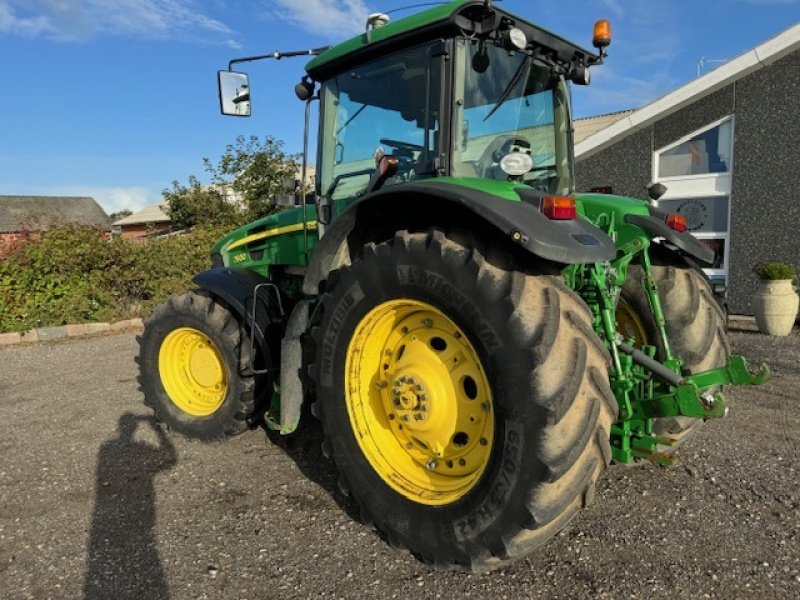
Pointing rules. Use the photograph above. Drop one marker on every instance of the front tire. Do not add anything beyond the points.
(519, 430)
(191, 364)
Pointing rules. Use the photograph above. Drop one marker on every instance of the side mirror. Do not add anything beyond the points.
(656, 190)
(234, 93)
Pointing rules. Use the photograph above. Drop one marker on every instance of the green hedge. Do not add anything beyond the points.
(75, 274)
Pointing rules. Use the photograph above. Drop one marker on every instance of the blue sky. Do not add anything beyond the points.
(117, 98)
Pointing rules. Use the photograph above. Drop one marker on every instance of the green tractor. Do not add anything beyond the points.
(478, 339)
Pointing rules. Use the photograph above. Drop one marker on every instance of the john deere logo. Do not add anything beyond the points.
(696, 214)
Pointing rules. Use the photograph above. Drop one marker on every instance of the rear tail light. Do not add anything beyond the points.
(559, 208)
(676, 222)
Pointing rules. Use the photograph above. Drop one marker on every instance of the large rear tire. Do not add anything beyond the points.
(695, 325)
(191, 364)
(465, 403)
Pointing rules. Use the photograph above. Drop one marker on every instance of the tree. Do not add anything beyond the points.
(256, 171)
(120, 214)
(195, 204)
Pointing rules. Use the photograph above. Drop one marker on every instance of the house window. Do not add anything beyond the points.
(704, 153)
(697, 171)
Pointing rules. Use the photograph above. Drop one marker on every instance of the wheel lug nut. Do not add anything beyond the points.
(381, 384)
(485, 406)
(419, 417)
(396, 402)
(427, 323)
(431, 464)
(405, 418)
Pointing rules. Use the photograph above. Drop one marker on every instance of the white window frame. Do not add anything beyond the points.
(703, 185)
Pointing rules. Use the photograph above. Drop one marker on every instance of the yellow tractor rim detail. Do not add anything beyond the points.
(419, 402)
(630, 325)
(192, 371)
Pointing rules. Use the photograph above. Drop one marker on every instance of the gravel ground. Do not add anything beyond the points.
(94, 502)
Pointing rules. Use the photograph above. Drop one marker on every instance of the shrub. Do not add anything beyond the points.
(73, 274)
(773, 270)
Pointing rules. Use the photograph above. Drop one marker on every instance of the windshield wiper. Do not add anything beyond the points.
(351, 119)
(523, 69)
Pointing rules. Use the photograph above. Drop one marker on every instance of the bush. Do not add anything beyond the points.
(773, 270)
(73, 274)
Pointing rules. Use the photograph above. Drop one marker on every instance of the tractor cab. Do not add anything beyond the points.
(508, 119)
(481, 95)
(464, 91)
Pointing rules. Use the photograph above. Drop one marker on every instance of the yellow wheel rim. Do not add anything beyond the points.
(192, 371)
(419, 402)
(630, 325)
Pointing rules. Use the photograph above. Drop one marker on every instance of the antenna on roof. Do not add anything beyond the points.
(704, 62)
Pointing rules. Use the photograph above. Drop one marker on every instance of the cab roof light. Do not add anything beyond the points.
(676, 222)
(559, 208)
(602, 34)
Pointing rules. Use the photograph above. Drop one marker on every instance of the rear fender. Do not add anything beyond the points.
(419, 205)
(684, 241)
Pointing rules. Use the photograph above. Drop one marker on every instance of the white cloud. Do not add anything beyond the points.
(112, 199)
(86, 19)
(328, 18)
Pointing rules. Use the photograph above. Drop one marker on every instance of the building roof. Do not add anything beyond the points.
(34, 213)
(753, 60)
(590, 125)
(155, 213)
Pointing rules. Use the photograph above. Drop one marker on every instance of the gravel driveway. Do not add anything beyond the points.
(96, 502)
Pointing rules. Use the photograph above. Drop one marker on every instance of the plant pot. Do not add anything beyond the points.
(775, 305)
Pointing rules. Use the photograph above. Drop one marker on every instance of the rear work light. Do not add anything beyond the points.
(676, 222)
(559, 208)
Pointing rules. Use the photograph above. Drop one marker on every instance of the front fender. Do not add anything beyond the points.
(520, 221)
(238, 288)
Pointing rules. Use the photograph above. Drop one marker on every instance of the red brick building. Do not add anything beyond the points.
(148, 221)
(20, 216)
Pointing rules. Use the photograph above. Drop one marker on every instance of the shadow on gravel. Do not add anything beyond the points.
(305, 449)
(123, 557)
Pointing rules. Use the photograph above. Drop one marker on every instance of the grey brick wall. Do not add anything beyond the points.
(765, 212)
(626, 166)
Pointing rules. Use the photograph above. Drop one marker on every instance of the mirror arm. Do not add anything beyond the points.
(277, 56)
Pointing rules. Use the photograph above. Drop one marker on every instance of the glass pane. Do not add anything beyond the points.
(708, 152)
(389, 106)
(702, 214)
(504, 104)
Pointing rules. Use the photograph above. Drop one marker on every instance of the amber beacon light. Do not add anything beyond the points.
(602, 34)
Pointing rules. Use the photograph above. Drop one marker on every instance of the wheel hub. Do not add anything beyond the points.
(192, 371)
(430, 403)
